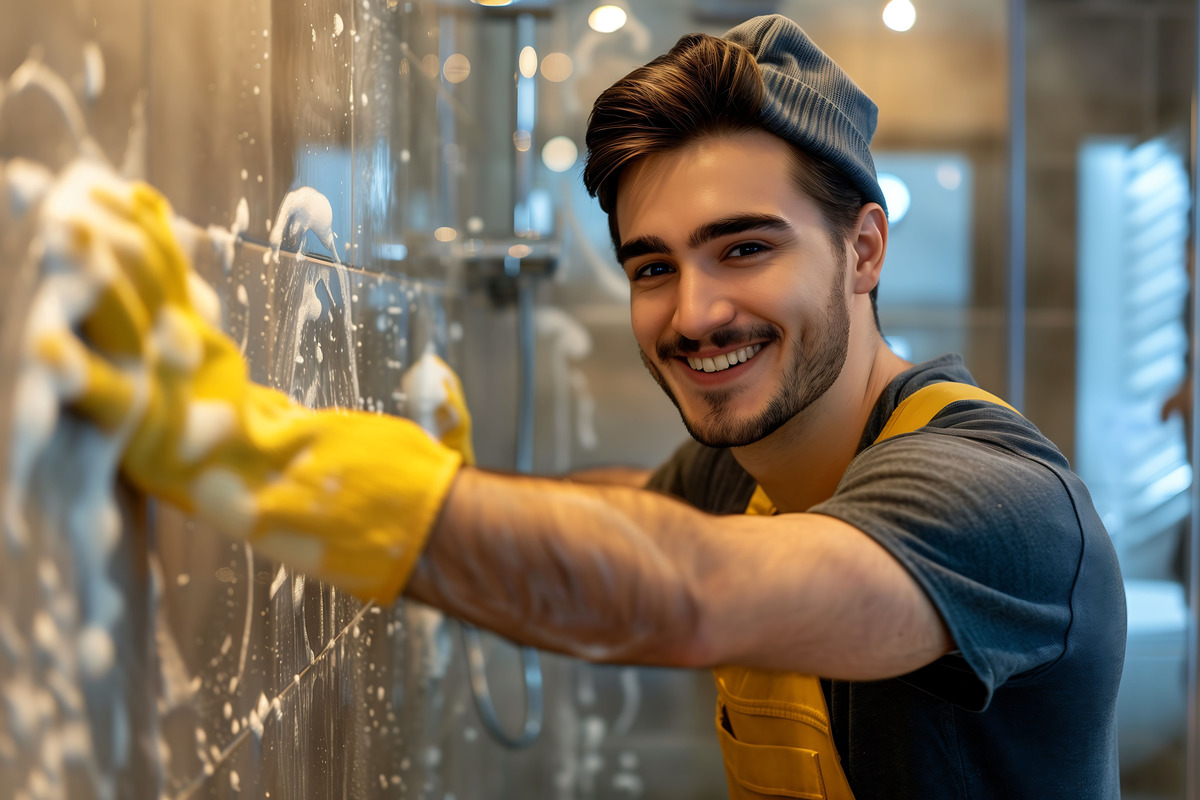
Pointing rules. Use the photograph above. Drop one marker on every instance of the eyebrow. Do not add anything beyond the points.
(740, 223)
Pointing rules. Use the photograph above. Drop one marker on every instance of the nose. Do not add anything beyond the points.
(702, 305)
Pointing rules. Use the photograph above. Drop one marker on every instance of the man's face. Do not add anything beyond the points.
(738, 299)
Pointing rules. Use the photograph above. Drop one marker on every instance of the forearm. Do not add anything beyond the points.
(632, 477)
(591, 571)
(616, 574)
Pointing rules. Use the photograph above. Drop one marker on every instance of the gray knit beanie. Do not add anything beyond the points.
(810, 101)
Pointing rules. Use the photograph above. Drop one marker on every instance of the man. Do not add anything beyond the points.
(923, 550)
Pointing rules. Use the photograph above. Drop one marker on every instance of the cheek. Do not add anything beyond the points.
(649, 317)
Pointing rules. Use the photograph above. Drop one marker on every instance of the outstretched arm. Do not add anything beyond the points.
(632, 477)
(609, 573)
(621, 575)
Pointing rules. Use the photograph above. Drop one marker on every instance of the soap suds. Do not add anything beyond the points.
(208, 423)
(223, 500)
(32, 74)
(93, 71)
(249, 619)
(74, 630)
(281, 576)
(27, 182)
(176, 340)
(302, 210)
(224, 240)
(424, 388)
(97, 653)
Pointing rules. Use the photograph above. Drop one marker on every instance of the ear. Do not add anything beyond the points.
(870, 246)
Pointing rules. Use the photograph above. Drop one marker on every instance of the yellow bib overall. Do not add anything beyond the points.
(774, 726)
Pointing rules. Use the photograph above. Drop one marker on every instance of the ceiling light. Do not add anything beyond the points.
(606, 19)
(559, 154)
(899, 198)
(899, 15)
(457, 68)
(527, 62)
(557, 67)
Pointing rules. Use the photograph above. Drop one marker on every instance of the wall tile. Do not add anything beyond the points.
(209, 87)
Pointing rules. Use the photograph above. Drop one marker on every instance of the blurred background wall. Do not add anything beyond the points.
(446, 138)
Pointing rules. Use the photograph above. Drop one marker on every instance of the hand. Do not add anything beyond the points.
(347, 497)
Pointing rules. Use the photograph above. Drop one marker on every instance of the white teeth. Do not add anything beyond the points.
(725, 360)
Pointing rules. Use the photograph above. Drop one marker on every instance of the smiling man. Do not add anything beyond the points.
(902, 589)
(889, 527)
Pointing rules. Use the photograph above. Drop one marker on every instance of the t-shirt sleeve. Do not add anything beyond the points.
(992, 537)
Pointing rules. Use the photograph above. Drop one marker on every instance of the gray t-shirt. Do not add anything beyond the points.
(987, 516)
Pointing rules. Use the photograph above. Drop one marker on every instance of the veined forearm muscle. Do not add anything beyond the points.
(622, 575)
(563, 567)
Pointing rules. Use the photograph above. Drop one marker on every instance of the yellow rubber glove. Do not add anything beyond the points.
(345, 496)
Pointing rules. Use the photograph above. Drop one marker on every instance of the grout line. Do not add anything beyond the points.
(237, 741)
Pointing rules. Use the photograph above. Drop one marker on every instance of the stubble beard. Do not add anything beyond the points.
(816, 361)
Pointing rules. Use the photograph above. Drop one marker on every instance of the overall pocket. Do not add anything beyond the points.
(775, 736)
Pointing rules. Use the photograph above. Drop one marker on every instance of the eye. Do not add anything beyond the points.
(652, 270)
(747, 249)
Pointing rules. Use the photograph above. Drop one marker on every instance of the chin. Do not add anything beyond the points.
(727, 428)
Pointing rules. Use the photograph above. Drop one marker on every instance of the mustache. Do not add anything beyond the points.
(721, 338)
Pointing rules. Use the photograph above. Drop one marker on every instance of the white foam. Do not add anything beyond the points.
(248, 621)
(97, 653)
(32, 74)
(224, 240)
(424, 387)
(302, 210)
(93, 71)
(176, 340)
(223, 500)
(27, 182)
(279, 579)
(204, 300)
(303, 553)
(36, 413)
(208, 423)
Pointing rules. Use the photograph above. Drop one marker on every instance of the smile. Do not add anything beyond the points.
(725, 360)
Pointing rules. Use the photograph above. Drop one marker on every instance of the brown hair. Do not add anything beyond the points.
(704, 86)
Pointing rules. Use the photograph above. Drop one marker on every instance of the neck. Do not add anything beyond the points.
(801, 463)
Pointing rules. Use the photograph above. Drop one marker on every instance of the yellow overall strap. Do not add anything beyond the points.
(914, 412)
(774, 726)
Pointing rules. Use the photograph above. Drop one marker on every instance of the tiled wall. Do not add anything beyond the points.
(234, 677)
(245, 679)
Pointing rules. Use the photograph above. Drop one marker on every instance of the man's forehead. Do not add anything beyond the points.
(711, 179)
